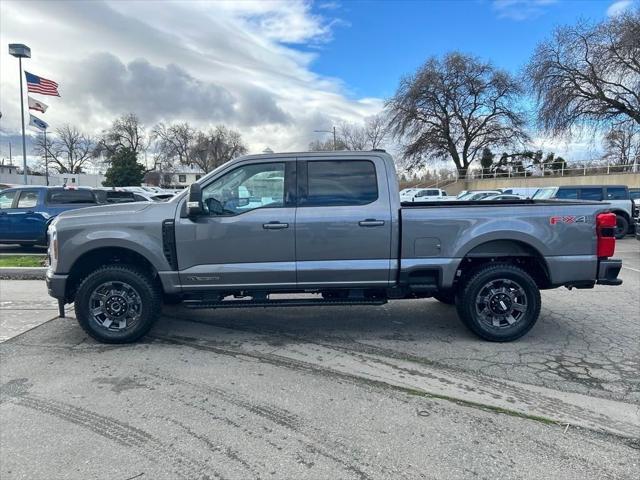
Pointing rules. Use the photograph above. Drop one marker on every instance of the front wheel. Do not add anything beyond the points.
(117, 304)
(499, 302)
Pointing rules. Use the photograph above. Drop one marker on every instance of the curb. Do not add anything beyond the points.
(23, 273)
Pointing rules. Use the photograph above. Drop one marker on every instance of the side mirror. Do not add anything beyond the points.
(194, 202)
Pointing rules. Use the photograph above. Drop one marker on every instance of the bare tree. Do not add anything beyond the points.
(173, 144)
(452, 108)
(588, 75)
(376, 131)
(218, 146)
(622, 144)
(69, 151)
(353, 136)
(126, 132)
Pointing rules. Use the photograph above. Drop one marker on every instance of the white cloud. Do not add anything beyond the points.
(618, 7)
(207, 63)
(521, 9)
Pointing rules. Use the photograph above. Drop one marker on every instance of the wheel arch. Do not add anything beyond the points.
(97, 257)
(516, 251)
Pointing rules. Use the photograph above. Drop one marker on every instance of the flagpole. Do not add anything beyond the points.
(24, 143)
(46, 160)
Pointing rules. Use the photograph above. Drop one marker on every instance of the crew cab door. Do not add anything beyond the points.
(245, 238)
(343, 222)
(26, 222)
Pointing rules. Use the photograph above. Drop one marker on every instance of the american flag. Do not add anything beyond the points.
(36, 84)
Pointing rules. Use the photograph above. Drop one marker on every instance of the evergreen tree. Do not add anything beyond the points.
(124, 169)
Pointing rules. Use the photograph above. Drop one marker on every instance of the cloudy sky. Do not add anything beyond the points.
(275, 70)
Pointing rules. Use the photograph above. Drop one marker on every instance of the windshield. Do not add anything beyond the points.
(545, 193)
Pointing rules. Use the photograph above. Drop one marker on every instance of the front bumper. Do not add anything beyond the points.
(608, 271)
(56, 285)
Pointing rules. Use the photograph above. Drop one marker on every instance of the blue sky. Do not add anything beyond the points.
(375, 42)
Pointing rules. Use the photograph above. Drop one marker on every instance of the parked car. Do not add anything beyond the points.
(329, 223)
(524, 192)
(25, 212)
(406, 194)
(426, 195)
(615, 195)
(477, 194)
(114, 195)
(502, 196)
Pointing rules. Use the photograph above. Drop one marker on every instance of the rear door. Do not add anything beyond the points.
(343, 222)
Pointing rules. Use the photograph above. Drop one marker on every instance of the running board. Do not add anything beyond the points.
(281, 303)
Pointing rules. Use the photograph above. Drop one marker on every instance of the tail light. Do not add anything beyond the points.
(606, 232)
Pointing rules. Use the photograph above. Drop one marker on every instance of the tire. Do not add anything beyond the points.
(622, 227)
(447, 297)
(499, 302)
(119, 293)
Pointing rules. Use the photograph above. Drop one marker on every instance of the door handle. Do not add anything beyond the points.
(275, 225)
(371, 222)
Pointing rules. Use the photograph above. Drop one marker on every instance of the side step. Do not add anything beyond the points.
(293, 302)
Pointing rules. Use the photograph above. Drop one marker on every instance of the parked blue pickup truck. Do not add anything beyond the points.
(25, 212)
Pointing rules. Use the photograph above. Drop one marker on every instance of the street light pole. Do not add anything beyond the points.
(21, 51)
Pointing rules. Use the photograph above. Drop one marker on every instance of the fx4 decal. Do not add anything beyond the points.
(568, 219)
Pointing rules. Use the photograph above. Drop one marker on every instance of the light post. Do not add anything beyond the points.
(335, 145)
(21, 51)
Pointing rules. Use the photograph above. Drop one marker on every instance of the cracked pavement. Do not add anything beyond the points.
(399, 391)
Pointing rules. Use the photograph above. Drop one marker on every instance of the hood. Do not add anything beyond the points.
(107, 210)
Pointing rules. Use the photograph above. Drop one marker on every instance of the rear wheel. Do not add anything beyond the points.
(622, 227)
(117, 304)
(499, 302)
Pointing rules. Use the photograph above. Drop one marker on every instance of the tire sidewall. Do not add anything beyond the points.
(149, 297)
(466, 303)
(625, 224)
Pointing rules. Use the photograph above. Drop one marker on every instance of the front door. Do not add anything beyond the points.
(343, 223)
(245, 238)
(26, 220)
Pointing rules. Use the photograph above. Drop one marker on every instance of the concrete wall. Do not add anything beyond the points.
(632, 180)
(79, 180)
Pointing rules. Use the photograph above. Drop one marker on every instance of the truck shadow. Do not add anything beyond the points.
(407, 321)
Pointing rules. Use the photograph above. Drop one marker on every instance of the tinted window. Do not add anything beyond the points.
(334, 183)
(634, 194)
(6, 199)
(58, 197)
(28, 199)
(591, 194)
(567, 193)
(617, 193)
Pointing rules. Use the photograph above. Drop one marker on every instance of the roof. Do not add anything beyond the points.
(329, 153)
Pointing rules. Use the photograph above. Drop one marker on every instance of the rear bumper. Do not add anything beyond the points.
(56, 285)
(608, 271)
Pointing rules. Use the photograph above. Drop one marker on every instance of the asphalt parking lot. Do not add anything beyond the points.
(399, 391)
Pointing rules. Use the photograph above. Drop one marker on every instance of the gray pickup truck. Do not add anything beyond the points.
(262, 230)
